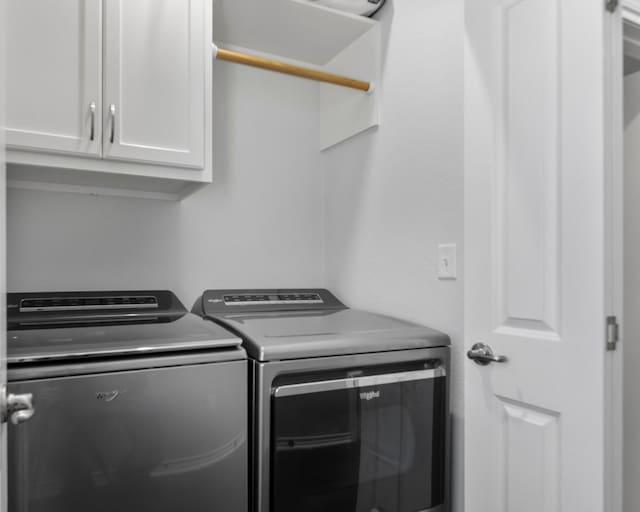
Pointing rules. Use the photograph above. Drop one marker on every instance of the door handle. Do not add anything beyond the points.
(92, 111)
(483, 355)
(112, 115)
(17, 408)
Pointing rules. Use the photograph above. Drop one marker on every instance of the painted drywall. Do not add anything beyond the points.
(394, 193)
(631, 322)
(383, 200)
(259, 223)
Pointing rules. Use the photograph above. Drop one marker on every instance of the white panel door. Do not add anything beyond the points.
(155, 66)
(54, 73)
(535, 255)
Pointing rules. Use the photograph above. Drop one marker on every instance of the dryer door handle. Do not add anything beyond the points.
(357, 382)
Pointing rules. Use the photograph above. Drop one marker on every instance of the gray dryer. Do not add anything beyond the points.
(349, 409)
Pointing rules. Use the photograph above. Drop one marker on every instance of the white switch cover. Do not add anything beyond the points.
(447, 261)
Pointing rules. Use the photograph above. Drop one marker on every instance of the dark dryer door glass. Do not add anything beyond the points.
(160, 440)
(367, 444)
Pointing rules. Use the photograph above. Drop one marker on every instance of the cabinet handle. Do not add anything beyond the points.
(92, 109)
(112, 114)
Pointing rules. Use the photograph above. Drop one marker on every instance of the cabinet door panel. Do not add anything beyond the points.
(154, 100)
(54, 75)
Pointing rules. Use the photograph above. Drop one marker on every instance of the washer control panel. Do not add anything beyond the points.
(84, 303)
(69, 309)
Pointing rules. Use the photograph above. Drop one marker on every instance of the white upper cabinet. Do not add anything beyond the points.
(154, 81)
(54, 61)
(110, 96)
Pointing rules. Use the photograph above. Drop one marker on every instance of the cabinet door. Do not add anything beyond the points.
(54, 75)
(154, 101)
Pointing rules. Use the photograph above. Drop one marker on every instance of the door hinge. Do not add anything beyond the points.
(612, 5)
(613, 332)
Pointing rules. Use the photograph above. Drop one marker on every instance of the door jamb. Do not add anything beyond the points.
(614, 257)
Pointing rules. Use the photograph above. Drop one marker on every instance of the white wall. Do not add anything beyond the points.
(394, 193)
(259, 223)
(391, 195)
(631, 327)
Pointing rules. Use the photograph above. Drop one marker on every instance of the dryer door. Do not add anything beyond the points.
(374, 443)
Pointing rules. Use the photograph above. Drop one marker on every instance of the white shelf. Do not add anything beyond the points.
(343, 112)
(291, 29)
(311, 35)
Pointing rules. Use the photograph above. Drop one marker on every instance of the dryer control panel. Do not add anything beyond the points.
(272, 299)
(234, 301)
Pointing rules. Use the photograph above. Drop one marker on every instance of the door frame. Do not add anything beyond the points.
(614, 257)
(3, 253)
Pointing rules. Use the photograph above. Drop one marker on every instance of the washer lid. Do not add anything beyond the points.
(185, 333)
(282, 335)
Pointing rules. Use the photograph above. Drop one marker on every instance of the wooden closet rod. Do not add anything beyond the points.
(290, 69)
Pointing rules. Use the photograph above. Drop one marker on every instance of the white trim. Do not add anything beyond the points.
(614, 205)
(53, 161)
(3, 255)
(93, 190)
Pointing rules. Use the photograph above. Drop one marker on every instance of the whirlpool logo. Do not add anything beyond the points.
(107, 396)
(369, 395)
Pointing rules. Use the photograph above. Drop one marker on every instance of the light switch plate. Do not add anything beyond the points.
(447, 261)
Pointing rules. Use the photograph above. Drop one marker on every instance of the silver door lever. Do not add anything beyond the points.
(483, 355)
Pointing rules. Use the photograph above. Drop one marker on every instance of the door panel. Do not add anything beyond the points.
(526, 222)
(535, 255)
(54, 69)
(155, 81)
(529, 464)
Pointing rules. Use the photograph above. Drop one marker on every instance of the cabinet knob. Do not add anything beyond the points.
(92, 110)
(112, 115)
